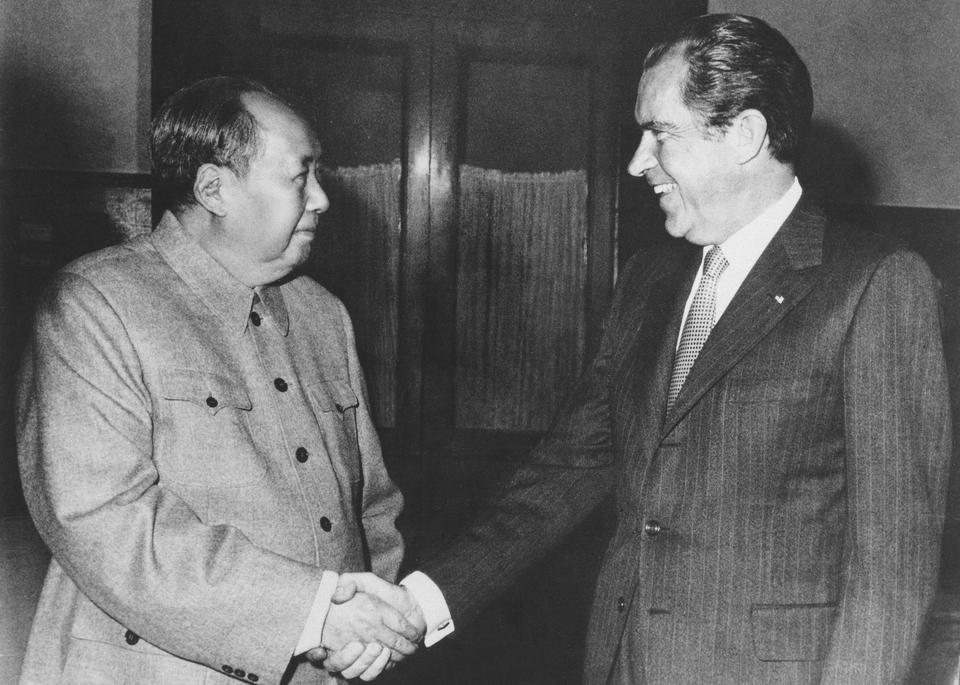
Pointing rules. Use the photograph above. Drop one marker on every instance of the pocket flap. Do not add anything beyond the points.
(792, 632)
(207, 390)
(330, 395)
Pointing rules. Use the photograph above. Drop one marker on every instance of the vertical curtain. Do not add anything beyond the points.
(520, 295)
(357, 255)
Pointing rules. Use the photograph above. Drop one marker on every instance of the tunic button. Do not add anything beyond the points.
(253, 677)
(280, 384)
(325, 524)
(239, 672)
(621, 604)
(131, 637)
(302, 455)
(212, 402)
(227, 669)
(652, 528)
(254, 318)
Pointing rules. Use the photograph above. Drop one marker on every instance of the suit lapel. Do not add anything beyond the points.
(779, 280)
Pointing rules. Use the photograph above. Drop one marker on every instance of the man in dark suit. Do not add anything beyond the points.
(768, 407)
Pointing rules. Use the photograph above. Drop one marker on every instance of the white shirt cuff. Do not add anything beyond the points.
(434, 607)
(313, 630)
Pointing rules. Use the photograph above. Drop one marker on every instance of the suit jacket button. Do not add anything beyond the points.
(131, 637)
(325, 524)
(652, 528)
(302, 455)
(621, 604)
(280, 384)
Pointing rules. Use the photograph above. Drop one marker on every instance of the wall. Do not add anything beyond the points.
(75, 84)
(887, 94)
(74, 117)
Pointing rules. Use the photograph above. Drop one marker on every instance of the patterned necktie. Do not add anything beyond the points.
(699, 322)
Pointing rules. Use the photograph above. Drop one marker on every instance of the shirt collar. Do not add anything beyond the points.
(746, 245)
(223, 294)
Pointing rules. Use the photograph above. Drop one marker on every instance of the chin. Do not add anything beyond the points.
(301, 258)
(677, 230)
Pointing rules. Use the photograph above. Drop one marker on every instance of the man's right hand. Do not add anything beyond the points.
(366, 618)
(366, 658)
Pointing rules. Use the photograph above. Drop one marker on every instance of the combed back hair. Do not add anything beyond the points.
(203, 123)
(735, 63)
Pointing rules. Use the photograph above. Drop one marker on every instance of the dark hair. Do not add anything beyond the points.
(204, 123)
(734, 63)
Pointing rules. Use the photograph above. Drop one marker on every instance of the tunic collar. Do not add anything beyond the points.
(228, 298)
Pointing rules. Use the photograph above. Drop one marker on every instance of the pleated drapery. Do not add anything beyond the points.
(521, 280)
(520, 290)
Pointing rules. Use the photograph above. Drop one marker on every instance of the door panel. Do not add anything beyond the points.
(521, 242)
(521, 229)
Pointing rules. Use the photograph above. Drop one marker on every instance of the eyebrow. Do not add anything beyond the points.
(657, 125)
(307, 160)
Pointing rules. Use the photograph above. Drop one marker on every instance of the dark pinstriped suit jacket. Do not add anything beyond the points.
(798, 484)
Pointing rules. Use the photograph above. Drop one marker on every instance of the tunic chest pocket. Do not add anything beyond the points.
(335, 404)
(202, 434)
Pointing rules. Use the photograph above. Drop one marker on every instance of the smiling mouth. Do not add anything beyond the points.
(664, 188)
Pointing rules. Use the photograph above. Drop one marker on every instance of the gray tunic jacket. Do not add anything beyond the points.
(195, 454)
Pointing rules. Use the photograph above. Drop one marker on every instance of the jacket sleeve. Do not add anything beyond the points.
(898, 441)
(204, 593)
(566, 477)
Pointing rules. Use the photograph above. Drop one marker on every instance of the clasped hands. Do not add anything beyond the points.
(371, 625)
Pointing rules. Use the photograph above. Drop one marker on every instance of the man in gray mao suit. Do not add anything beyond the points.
(194, 437)
(768, 408)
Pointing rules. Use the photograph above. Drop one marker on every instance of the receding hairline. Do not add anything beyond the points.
(266, 102)
(260, 106)
(677, 52)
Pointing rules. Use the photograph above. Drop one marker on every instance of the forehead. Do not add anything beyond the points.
(658, 95)
(284, 134)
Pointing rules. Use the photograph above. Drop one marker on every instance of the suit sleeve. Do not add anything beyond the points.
(205, 593)
(382, 501)
(566, 477)
(897, 431)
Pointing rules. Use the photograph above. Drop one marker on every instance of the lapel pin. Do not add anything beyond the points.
(778, 298)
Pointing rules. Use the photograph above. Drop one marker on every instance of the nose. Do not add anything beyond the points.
(317, 200)
(643, 159)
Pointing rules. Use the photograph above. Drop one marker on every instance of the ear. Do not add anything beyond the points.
(208, 188)
(748, 133)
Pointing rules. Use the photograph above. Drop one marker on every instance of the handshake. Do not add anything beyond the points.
(371, 625)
